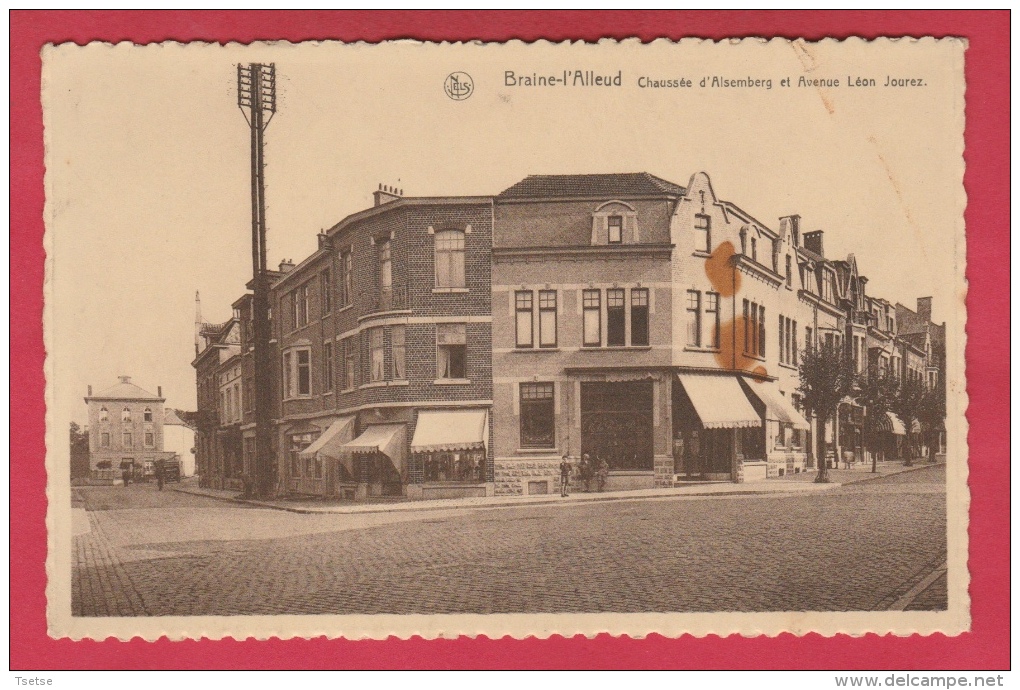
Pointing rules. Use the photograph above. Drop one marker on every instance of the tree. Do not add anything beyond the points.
(932, 415)
(826, 378)
(876, 393)
(907, 406)
(79, 451)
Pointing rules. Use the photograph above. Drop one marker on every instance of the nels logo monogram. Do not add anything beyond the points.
(459, 86)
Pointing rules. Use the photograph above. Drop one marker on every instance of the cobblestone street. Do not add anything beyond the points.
(858, 547)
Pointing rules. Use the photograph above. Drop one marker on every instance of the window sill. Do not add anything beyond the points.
(450, 290)
(451, 382)
(348, 390)
(385, 384)
(341, 310)
(791, 367)
(298, 397)
(702, 254)
(527, 350)
(327, 393)
(537, 451)
(383, 313)
(712, 350)
(754, 357)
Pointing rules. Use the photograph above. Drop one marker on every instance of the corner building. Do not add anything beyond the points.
(647, 324)
(384, 344)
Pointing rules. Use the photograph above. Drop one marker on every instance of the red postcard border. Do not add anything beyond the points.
(987, 216)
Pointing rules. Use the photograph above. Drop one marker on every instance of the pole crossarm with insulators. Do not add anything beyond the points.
(256, 97)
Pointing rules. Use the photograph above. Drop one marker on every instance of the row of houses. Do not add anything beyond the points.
(460, 346)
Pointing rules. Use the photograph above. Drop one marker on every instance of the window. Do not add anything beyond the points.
(761, 331)
(702, 233)
(754, 249)
(127, 441)
(297, 373)
(150, 439)
(460, 466)
(104, 414)
(615, 229)
(347, 278)
(125, 415)
(639, 316)
(237, 400)
(712, 320)
(793, 341)
(451, 351)
(398, 351)
(104, 439)
(789, 271)
(327, 366)
(547, 326)
(349, 369)
(385, 274)
(450, 259)
(326, 287)
(592, 303)
(808, 337)
(693, 318)
(782, 337)
(616, 319)
(147, 414)
(249, 393)
(376, 354)
(538, 420)
(524, 305)
(754, 329)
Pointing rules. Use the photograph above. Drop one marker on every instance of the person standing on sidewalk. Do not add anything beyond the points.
(159, 476)
(603, 474)
(564, 476)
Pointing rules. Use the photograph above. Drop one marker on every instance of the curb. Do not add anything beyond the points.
(902, 470)
(511, 503)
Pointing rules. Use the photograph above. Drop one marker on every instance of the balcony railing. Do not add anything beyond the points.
(394, 298)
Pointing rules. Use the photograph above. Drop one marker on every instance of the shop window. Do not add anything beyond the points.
(450, 259)
(702, 233)
(451, 351)
(615, 229)
(298, 442)
(524, 313)
(398, 351)
(377, 354)
(147, 414)
(463, 466)
(538, 419)
(639, 316)
(592, 303)
(616, 329)
(547, 318)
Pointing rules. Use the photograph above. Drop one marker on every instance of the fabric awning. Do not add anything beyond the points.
(387, 439)
(442, 430)
(897, 424)
(331, 442)
(719, 401)
(777, 406)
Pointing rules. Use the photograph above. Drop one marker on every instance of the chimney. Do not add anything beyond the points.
(198, 323)
(790, 225)
(125, 379)
(286, 265)
(813, 242)
(90, 391)
(324, 240)
(386, 194)
(159, 391)
(924, 308)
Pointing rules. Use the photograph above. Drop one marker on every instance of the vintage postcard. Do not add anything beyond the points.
(360, 340)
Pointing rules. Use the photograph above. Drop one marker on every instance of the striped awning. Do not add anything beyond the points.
(449, 430)
(387, 439)
(896, 424)
(719, 401)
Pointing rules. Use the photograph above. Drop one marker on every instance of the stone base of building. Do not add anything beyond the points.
(781, 464)
(427, 492)
(664, 472)
(755, 471)
(527, 476)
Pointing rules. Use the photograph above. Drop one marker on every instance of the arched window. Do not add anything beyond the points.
(450, 259)
(104, 414)
(125, 416)
(147, 415)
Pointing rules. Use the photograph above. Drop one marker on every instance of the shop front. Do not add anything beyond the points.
(450, 448)
(716, 430)
(617, 426)
(322, 467)
(785, 432)
(379, 460)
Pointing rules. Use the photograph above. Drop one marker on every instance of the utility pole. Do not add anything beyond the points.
(256, 97)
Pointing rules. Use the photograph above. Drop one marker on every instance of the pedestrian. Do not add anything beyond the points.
(125, 474)
(159, 476)
(603, 474)
(564, 475)
(586, 468)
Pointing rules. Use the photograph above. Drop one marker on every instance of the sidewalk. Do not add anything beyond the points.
(861, 472)
(692, 489)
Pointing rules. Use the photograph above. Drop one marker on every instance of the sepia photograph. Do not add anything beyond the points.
(524, 339)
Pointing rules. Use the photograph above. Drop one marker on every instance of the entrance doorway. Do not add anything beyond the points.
(617, 423)
(383, 478)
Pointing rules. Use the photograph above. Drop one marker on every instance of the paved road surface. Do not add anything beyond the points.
(859, 547)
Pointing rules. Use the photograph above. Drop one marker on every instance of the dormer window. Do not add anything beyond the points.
(754, 249)
(615, 229)
(789, 271)
(702, 233)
